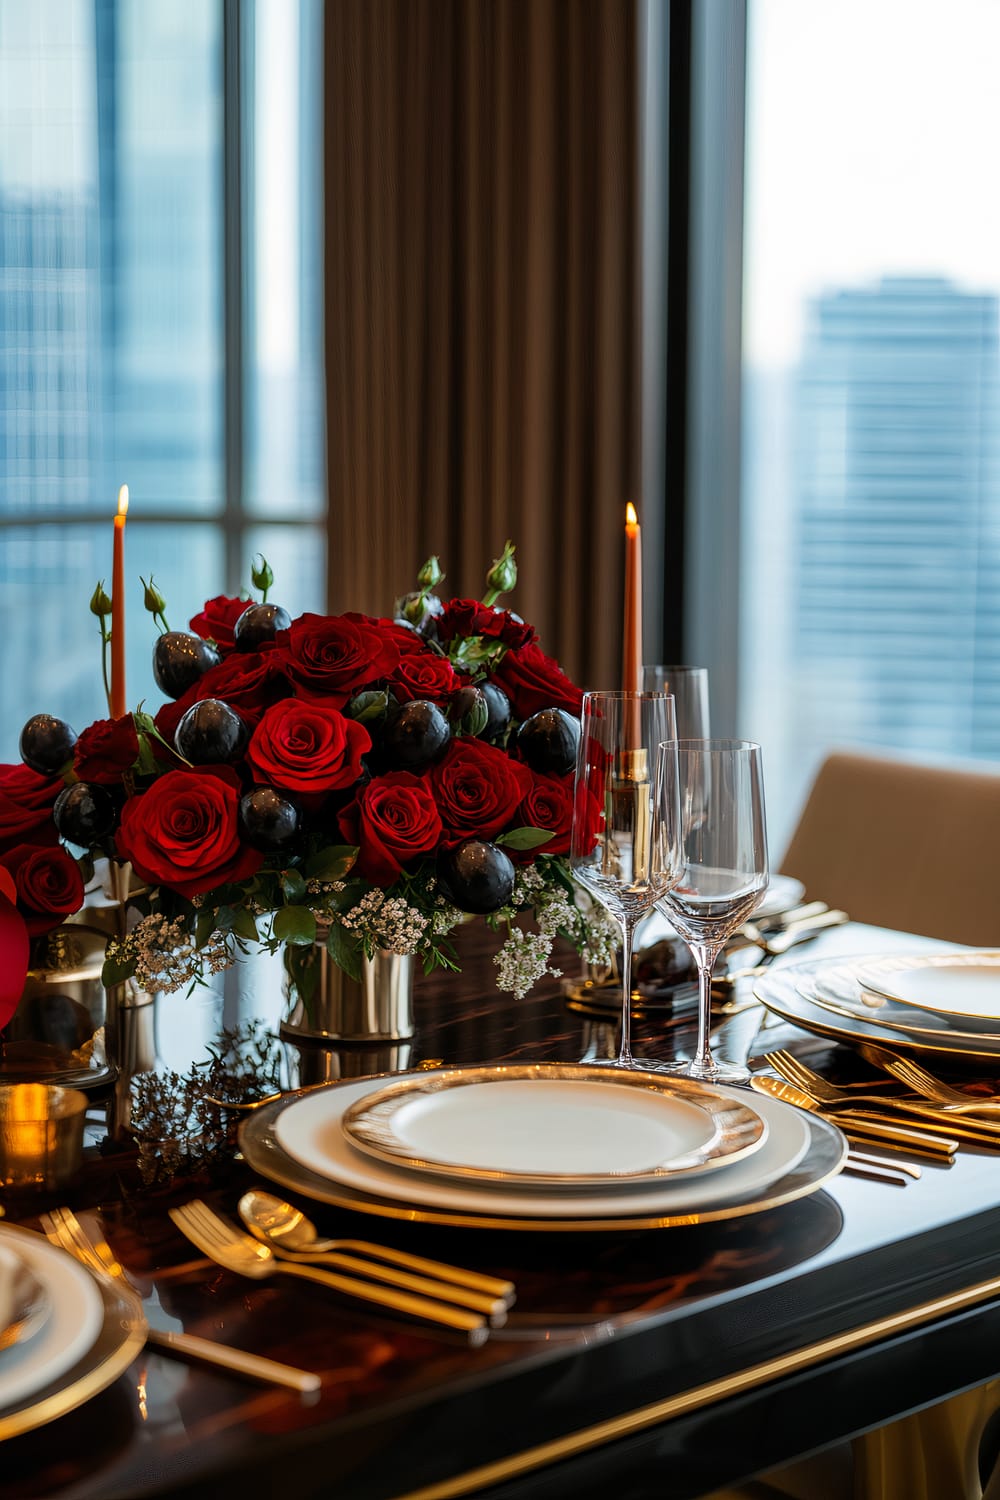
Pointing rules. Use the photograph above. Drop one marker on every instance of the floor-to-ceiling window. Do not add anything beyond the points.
(160, 323)
(870, 505)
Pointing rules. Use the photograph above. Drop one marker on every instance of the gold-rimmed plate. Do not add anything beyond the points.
(119, 1336)
(963, 989)
(552, 1125)
(825, 999)
(801, 1154)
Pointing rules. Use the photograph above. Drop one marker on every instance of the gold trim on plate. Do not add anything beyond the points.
(120, 1340)
(684, 1402)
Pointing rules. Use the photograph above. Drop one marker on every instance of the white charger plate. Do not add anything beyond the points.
(553, 1125)
(963, 987)
(310, 1130)
(75, 1316)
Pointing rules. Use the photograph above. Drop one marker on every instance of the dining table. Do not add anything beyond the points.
(671, 1360)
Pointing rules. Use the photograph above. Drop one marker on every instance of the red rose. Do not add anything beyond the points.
(423, 674)
(338, 655)
(106, 750)
(26, 801)
(48, 883)
(216, 621)
(182, 833)
(465, 617)
(478, 789)
(549, 805)
(589, 810)
(307, 747)
(391, 820)
(533, 681)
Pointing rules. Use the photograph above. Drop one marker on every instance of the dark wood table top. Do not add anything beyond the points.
(708, 1352)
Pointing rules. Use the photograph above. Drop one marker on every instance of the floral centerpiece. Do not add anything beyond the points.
(358, 781)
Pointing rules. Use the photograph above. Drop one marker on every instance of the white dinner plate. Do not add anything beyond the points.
(553, 1126)
(782, 892)
(964, 988)
(76, 1314)
(310, 1131)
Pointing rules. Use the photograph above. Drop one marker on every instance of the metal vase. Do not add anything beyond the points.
(332, 1007)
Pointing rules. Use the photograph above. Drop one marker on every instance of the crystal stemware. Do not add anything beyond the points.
(688, 686)
(724, 857)
(625, 839)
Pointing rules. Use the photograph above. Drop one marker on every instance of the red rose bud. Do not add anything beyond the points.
(105, 750)
(392, 821)
(307, 748)
(502, 575)
(100, 604)
(216, 621)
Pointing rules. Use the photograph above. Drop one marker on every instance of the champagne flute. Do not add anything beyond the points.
(688, 686)
(724, 853)
(625, 845)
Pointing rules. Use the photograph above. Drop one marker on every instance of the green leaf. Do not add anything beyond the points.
(204, 927)
(345, 949)
(245, 924)
(332, 863)
(293, 885)
(117, 970)
(295, 924)
(368, 708)
(525, 838)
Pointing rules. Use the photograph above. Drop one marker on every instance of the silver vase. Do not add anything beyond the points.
(329, 1006)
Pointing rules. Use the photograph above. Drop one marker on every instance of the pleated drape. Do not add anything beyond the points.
(481, 304)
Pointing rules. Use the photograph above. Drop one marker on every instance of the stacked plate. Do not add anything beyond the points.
(542, 1146)
(935, 1002)
(85, 1334)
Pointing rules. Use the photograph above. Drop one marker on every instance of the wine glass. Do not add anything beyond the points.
(625, 845)
(688, 686)
(724, 853)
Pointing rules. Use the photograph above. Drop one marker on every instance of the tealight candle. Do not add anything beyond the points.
(41, 1134)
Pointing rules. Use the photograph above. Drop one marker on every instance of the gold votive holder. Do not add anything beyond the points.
(41, 1134)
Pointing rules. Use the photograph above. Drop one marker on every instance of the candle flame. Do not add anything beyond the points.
(631, 519)
(123, 500)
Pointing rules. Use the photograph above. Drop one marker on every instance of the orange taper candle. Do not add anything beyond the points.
(118, 700)
(632, 645)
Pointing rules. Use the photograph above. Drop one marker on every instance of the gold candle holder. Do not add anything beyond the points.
(41, 1135)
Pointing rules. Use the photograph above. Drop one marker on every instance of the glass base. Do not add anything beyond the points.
(716, 1072)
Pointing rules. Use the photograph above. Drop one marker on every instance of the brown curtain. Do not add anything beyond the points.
(482, 349)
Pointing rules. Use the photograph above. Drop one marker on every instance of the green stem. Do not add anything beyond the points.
(105, 642)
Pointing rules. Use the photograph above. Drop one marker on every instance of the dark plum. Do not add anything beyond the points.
(468, 711)
(179, 660)
(84, 813)
(498, 705)
(548, 741)
(210, 733)
(476, 876)
(415, 736)
(258, 624)
(46, 744)
(268, 821)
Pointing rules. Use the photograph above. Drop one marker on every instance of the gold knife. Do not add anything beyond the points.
(900, 1138)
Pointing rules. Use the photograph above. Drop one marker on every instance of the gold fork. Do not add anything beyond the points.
(905, 1070)
(830, 1096)
(222, 1242)
(62, 1227)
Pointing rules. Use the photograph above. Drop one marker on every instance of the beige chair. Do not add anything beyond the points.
(897, 844)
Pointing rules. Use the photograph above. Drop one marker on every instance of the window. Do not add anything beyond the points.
(160, 323)
(870, 506)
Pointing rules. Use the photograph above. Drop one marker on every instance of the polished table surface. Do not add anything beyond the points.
(701, 1354)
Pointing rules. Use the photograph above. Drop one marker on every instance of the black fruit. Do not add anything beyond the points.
(179, 660)
(548, 741)
(46, 744)
(468, 711)
(415, 736)
(258, 624)
(84, 813)
(268, 820)
(499, 712)
(210, 733)
(476, 877)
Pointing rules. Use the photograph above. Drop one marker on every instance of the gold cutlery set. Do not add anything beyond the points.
(931, 1123)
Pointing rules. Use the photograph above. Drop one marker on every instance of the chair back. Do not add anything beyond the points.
(902, 845)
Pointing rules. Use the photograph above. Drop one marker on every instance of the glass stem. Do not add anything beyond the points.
(705, 955)
(629, 924)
